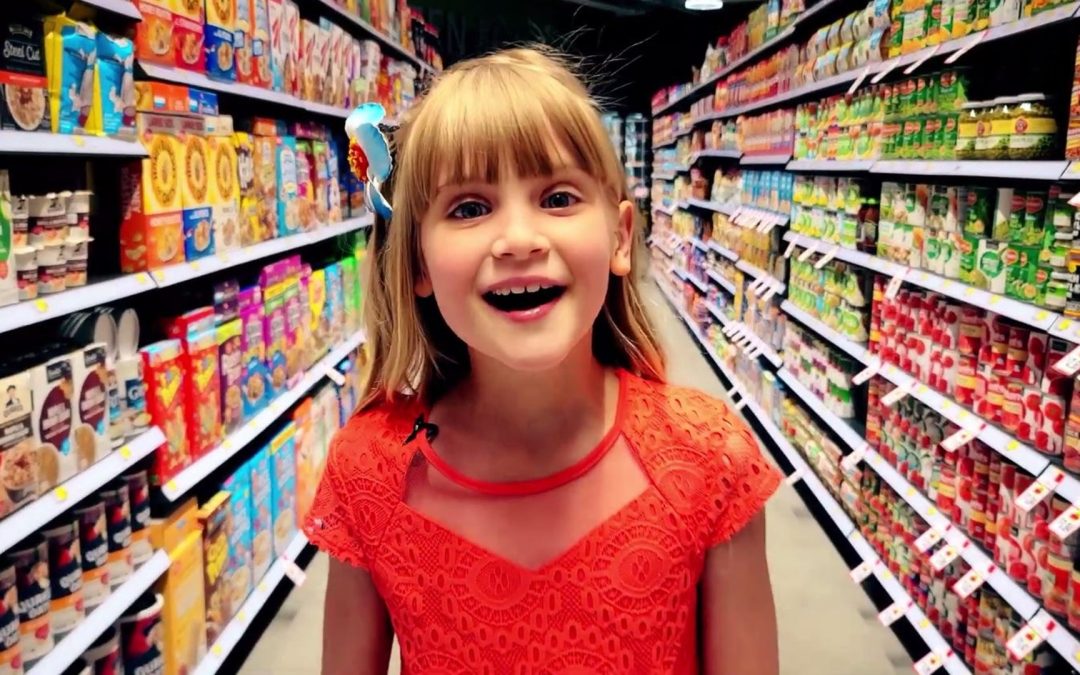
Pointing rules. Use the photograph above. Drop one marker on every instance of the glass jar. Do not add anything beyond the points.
(967, 132)
(1001, 126)
(1034, 131)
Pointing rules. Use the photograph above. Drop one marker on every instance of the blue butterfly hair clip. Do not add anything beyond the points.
(369, 154)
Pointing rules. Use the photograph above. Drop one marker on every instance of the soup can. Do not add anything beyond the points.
(94, 542)
(141, 638)
(65, 574)
(118, 527)
(31, 561)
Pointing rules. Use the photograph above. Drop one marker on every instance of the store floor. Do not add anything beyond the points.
(827, 624)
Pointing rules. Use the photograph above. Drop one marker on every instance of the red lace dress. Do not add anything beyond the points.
(591, 570)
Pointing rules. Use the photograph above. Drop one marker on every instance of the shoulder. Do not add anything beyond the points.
(371, 444)
(661, 414)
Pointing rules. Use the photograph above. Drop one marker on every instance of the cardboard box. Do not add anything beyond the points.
(215, 516)
(303, 440)
(243, 46)
(288, 205)
(90, 430)
(161, 97)
(154, 34)
(239, 577)
(164, 373)
(23, 76)
(283, 487)
(261, 512)
(151, 226)
(256, 385)
(52, 388)
(224, 184)
(278, 48)
(260, 21)
(18, 459)
(266, 189)
(183, 615)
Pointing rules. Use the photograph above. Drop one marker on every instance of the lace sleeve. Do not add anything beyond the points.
(746, 481)
(331, 524)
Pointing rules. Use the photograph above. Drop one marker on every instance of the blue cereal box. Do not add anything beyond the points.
(288, 200)
(198, 233)
(335, 303)
(283, 487)
(239, 576)
(262, 525)
(220, 62)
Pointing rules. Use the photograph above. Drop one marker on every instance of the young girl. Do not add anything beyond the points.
(519, 491)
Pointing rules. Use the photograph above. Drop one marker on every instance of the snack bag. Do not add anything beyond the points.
(164, 373)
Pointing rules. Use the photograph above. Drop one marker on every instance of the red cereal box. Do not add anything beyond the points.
(197, 332)
(163, 369)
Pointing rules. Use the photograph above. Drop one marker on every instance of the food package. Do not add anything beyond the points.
(154, 34)
(274, 329)
(30, 558)
(296, 326)
(188, 26)
(278, 48)
(218, 37)
(164, 373)
(260, 20)
(70, 54)
(25, 103)
(113, 112)
(291, 40)
(264, 158)
(335, 305)
(18, 457)
(183, 616)
(197, 333)
(239, 575)
(90, 432)
(94, 546)
(117, 501)
(305, 186)
(288, 205)
(224, 185)
(52, 389)
(9, 281)
(138, 484)
(215, 519)
(283, 487)
(306, 470)
(197, 213)
(320, 326)
(256, 385)
(231, 367)
(151, 226)
(66, 606)
(262, 546)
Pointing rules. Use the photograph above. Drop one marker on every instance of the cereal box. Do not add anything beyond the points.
(188, 22)
(25, 106)
(291, 41)
(288, 205)
(202, 389)
(224, 188)
(253, 344)
(350, 295)
(215, 518)
(260, 53)
(220, 63)
(305, 186)
(303, 439)
(151, 226)
(242, 42)
(52, 387)
(90, 432)
(195, 190)
(154, 34)
(323, 192)
(335, 304)
(18, 465)
(266, 189)
(320, 328)
(276, 340)
(239, 576)
(161, 97)
(231, 369)
(164, 373)
(262, 542)
(252, 230)
(183, 614)
(308, 60)
(296, 328)
(283, 487)
(278, 49)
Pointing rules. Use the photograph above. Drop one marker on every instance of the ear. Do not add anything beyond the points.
(624, 240)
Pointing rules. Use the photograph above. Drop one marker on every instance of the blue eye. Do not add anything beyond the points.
(470, 210)
(559, 200)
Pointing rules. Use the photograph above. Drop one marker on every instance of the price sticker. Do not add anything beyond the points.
(262, 587)
(125, 452)
(894, 284)
(925, 57)
(1069, 364)
(171, 486)
(867, 372)
(896, 394)
(885, 70)
(852, 460)
(158, 275)
(335, 376)
(893, 612)
(860, 573)
(790, 248)
(1032, 496)
(943, 556)
(927, 540)
(968, 46)
(1024, 642)
(963, 436)
(295, 574)
(142, 278)
(61, 493)
(859, 80)
(929, 663)
(753, 352)
(825, 259)
(970, 582)
(241, 616)
(41, 306)
(805, 255)
(217, 651)
(1066, 523)
(795, 476)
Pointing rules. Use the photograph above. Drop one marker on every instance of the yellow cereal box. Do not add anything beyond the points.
(221, 13)
(195, 189)
(264, 164)
(224, 185)
(151, 226)
(183, 614)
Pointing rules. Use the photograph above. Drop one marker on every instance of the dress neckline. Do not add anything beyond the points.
(545, 483)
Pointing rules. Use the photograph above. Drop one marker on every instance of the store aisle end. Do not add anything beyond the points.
(827, 624)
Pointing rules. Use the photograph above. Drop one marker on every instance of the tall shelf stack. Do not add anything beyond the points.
(179, 302)
(862, 213)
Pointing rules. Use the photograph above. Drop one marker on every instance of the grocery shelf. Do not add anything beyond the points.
(722, 282)
(830, 335)
(666, 250)
(722, 154)
(698, 244)
(121, 7)
(719, 315)
(190, 78)
(1072, 172)
(778, 158)
(1059, 638)
(718, 207)
(103, 617)
(698, 283)
(187, 479)
(34, 516)
(663, 175)
(669, 210)
(724, 251)
(175, 274)
(1037, 317)
(29, 312)
(972, 168)
(833, 421)
(45, 143)
(829, 165)
(766, 350)
(663, 144)
(395, 46)
(759, 273)
(241, 621)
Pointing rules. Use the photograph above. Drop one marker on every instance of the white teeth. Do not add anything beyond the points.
(534, 288)
(502, 291)
(517, 290)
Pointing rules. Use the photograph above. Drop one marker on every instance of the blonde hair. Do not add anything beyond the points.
(481, 117)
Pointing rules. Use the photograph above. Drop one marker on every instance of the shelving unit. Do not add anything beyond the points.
(44, 143)
(120, 7)
(372, 31)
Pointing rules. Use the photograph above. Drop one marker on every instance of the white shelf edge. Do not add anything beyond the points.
(187, 479)
(753, 160)
(828, 334)
(663, 175)
(105, 615)
(829, 165)
(721, 282)
(758, 273)
(30, 312)
(35, 515)
(251, 607)
(725, 209)
(1061, 639)
(1019, 169)
(698, 244)
(717, 154)
(724, 251)
(46, 143)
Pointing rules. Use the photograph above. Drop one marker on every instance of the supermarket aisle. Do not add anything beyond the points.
(827, 624)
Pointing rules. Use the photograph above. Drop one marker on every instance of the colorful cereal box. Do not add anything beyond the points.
(304, 438)
(154, 34)
(183, 614)
(262, 547)
(18, 459)
(242, 42)
(288, 205)
(151, 226)
(255, 387)
(320, 327)
(239, 575)
(278, 48)
(291, 40)
(51, 386)
(195, 189)
(188, 21)
(89, 433)
(305, 186)
(283, 487)
(276, 340)
(218, 33)
(296, 327)
(231, 370)
(335, 304)
(224, 187)
(203, 383)
(260, 21)
(163, 369)
(266, 188)
(215, 518)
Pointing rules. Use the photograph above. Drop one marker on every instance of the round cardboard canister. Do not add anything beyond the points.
(80, 666)
(127, 334)
(10, 653)
(141, 637)
(104, 653)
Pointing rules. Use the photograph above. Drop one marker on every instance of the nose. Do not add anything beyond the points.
(519, 240)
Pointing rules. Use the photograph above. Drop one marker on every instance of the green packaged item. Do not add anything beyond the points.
(990, 273)
(1057, 294)
(1033, 130)
(969, 251)
(1035, 217)
(948, 136)
(967, 130)
(979, 210)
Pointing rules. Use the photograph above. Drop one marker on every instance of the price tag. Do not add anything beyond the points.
(171, 486)
(971, 581)
(790, 248)
(1024, 642)
(894, 284)
(1030, 498)
(885, 70)
(893, 612)
(262, 587)
(795, 476)
(867, 372)
(41, 306)
(1069, 364)
(770, 224)
(968, 46)
(963, 436)
(125, 451)
(928, 664)
(926, 57)
(943, 556)
(1067, 523)
(859, 80)
(61, 493)
(158, 275)
(805, 255)
(295, 574)
(241, 616)
(829, 255)
(860, 573)
(927, 540)
(753, 352)
(142, 278)
(896, 394)
(852, 460)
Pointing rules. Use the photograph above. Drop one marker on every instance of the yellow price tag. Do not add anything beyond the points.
(945, 405)
(968, 292)
(125, 452)
(170, 486)
(227, 444)
(216, 650)
(79, 141)
(195, 265)
(1040, 315)
(159, 275)
(142, 279)
(925, 623)
(61, 493)
(1012, 445)
(886, 575)
(931, 511)
(911, 492)
(262, 587)
(241, 616)
(994, 299)
(1076, 656)
(963, 415)
(41, 306)
(921, 389)
(1064, 324)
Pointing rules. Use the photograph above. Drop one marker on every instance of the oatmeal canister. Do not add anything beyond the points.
(141, 637)
(93, 540)
(118, 526)
(10, 654)
(65, 574)
(138, 484)
(31, 561)
(104, 654)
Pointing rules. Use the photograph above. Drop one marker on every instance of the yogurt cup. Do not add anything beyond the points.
(78, 212)
(52, 278)
(20, 221)
(75, 251)
(50, 254)
(48, 219)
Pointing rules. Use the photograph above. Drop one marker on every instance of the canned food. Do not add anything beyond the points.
(104, 654)
(118, 526)
(31, 560)
(65, 574)
(141, 637)
(93, 540)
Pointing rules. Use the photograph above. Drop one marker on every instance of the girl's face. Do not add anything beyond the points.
(519, 268)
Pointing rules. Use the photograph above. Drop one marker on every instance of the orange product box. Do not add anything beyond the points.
(291, 39)
(264, 157)
(183, 614)
(154, 34)
(163, 371)
(151, 225)
(161, 97)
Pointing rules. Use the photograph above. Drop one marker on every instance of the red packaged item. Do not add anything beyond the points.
(163, 369)
(202, 384)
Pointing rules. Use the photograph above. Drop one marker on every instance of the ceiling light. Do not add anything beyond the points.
(704, 4)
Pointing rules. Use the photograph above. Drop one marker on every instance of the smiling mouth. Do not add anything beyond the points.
(524, 298)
